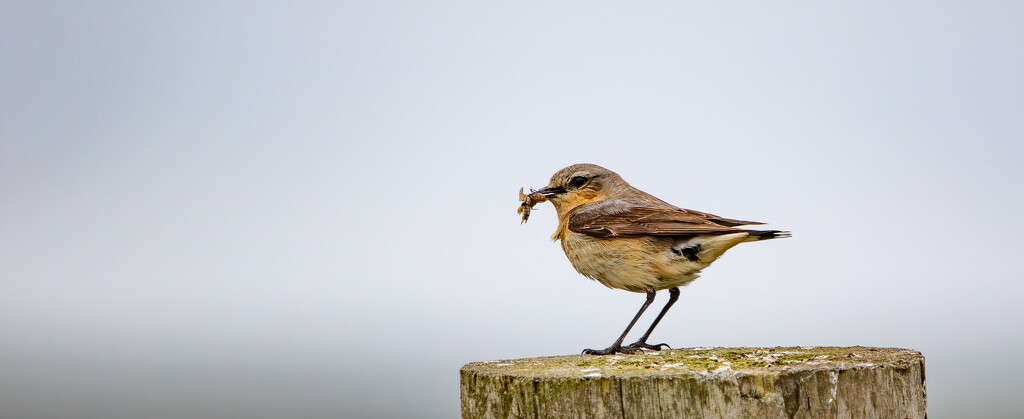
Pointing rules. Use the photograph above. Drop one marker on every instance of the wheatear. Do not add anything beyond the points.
(627, 239)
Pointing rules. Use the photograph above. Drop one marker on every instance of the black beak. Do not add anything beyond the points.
(550, 192)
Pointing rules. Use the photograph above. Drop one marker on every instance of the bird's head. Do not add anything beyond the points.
(581, 184)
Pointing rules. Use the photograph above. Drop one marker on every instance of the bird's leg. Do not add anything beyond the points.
(673, 295)
(617, 346)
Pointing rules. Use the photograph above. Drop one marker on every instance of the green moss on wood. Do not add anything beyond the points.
(696, 361)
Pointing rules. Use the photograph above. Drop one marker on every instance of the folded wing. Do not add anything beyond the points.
(619, 218)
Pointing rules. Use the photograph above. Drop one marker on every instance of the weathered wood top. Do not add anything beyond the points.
(782, 382)
(701, 362)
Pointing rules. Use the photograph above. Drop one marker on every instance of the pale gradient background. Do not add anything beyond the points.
(258, 210)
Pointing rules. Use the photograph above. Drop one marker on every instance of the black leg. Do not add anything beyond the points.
(673, 295)
(617, 346)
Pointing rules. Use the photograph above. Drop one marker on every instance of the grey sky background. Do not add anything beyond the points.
(236, 209)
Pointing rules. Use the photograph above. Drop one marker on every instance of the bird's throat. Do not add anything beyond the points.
(565, 206)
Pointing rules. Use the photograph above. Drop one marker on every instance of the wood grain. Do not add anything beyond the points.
(784, 382)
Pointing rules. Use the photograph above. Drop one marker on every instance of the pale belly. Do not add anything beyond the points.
(632, 264)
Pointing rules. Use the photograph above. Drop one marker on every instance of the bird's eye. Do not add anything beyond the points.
(578, 181)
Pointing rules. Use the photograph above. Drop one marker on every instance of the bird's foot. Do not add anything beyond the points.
(617, 348)
(644, 345)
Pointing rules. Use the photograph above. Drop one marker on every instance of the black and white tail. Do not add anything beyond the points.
(768, 234)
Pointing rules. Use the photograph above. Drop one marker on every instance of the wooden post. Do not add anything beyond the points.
(799, 382)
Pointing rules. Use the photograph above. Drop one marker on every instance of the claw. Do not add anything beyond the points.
(640, 344)
(611, 350)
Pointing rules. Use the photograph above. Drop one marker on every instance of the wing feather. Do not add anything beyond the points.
(618, 218)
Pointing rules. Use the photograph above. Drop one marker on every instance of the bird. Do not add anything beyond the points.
(627, 239)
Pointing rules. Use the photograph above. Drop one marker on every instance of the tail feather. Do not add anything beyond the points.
(768, 234)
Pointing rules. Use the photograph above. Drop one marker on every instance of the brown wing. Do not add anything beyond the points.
(728, 222)
(615, 218)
